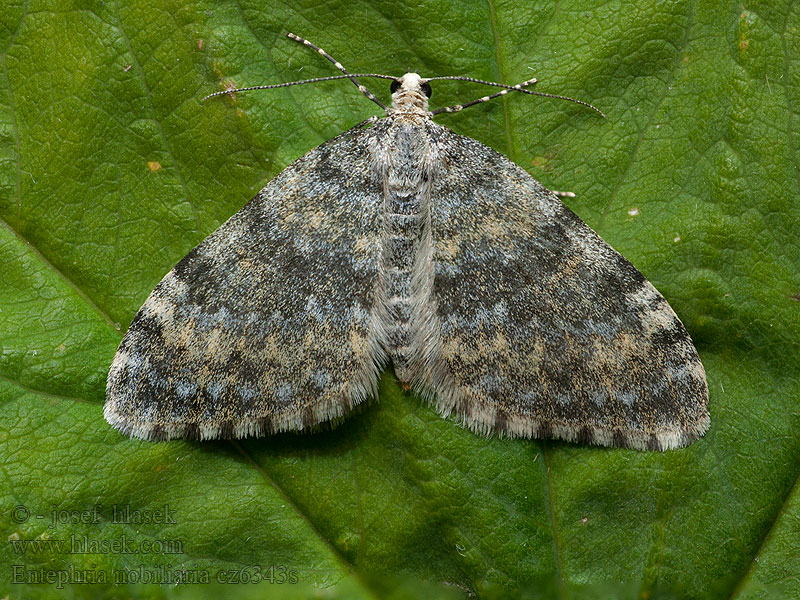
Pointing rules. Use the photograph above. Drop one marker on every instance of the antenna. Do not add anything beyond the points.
(520, 87)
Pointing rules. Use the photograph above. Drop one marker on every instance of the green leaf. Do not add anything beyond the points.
(111, 169)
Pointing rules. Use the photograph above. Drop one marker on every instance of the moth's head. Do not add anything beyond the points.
(410, 91)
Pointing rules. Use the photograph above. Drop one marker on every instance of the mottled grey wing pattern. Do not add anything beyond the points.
(265, 326)
(546, 331)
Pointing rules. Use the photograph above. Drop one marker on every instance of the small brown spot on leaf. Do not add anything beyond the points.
(153, 165)
(229, 85)
(541, 162)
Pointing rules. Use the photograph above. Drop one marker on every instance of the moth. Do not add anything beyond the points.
(401, 241)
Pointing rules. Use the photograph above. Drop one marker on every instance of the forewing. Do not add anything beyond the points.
(545, 330)
(264, 326)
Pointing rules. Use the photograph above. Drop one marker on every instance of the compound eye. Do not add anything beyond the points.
(426, 89)
(395, 86)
